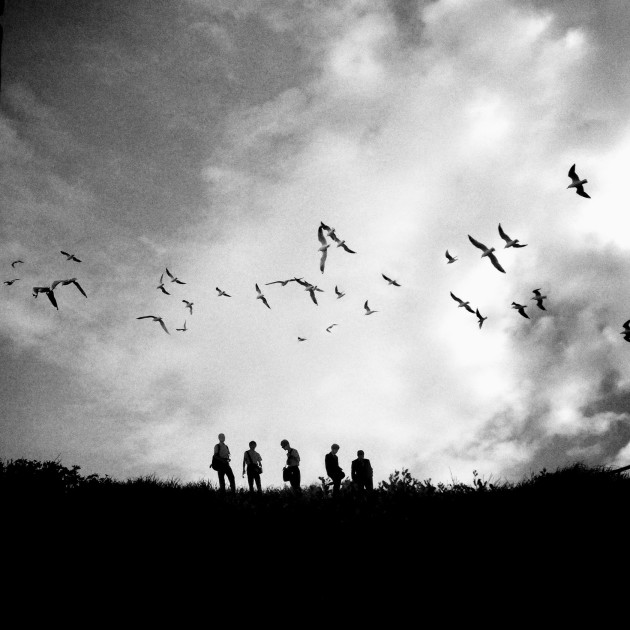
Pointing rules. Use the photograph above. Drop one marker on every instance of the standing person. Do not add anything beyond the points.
(291, 471)
(222, 453)
(362, 473)
(333, 469)
(252, 462)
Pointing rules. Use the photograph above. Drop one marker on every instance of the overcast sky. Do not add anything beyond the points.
(212, 137)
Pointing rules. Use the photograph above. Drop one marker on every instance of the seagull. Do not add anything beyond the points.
(65, 282)
(394, 282)
(173, 278)
(301, 339)
(577, 183)
(462, 303)
(509, 242)
(323, 249)
(15, 262)
(184, 329)
(451, 259)
(303, 282)
(330, 327)
(626, 331)
(260, 296)
(222, 293)
(368, 310)
(311, 289)
(487, 251)
(161, 286)
(10, 282)
(335, 238)
(189, 305)
(282, 282)
(521, 309)
(70, 256)
(48, 291)
(539, 299)
(338, 292)
(480, 318)
(155, 318)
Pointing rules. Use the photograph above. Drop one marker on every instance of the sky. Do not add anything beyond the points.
(213, 136)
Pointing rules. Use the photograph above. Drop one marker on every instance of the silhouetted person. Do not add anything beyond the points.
(292, 469)
(333, 469)
(362, 473)
(252, 462)
(223, 452)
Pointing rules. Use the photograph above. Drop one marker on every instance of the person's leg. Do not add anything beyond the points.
(295, 478)
(336, 486)
(369, 484)
(250, 479)
(258, 484)
(230, 476)
(221, 479)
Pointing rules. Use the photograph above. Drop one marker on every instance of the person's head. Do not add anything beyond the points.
(285, 444)
(252, 445)
(360, 454)
(334, 448)
(221, 437)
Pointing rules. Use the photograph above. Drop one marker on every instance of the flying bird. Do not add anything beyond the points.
(577, 183)
(330, 327)
(66, 282)
(155, 318)
(509, 242)
(466, 305)
(10, 282)
(161, 286)
(323, 249)
(390, 281)
(626, 331)
(521, 309)
(338, 292)
(184, 329)
(480, 318)
(260, 296)
(301, 339)
(487, 251)
(451, 259)
(539, 299)
(368, 310)
(15, 262)
(222, 293)
(48, 291)
(311, 288)
(70, 256)
(173, 278)
(189, 305)
(282, 282)
(340, 243)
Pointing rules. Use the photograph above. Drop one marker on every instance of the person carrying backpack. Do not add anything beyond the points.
(252, 462)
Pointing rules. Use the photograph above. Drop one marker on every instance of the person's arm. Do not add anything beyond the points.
(369, 468)
(353, 471)
(244, 462)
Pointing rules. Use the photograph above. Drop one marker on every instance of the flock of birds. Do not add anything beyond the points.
(326, 236)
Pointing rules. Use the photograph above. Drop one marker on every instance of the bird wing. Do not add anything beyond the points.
(51, 297)
(164, 290)
(312, 294)
(580, 191)
(627, 325)
(320, 235)
(334, 236)
(64, 253)
(448, 255)
(536, 292)
(78, 286)
(226, 295)
(275, 282)
(147, 317)
(503, 235)
(258, 290)
(75, 258)
(365, 306)
(396, 283)
(15, 262)
(572, 174)
(265, 301)
(54, 284)
(476, 243)
(495, 262)
(467, 307)
(170, 275)
(350, 251)
(519, 245)
(178, 281)
(322, 261)
(386, 278)
(163, 326)
(540, 305)
(323, 225)
(454, 297)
